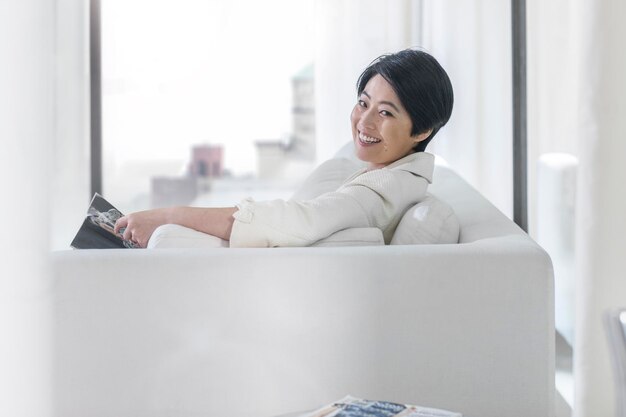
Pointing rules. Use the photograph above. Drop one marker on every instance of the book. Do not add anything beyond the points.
(96, 232)
(357, 407)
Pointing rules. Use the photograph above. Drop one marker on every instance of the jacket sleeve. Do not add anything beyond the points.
(372, 199)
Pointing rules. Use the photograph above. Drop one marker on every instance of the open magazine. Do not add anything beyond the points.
(357, 407)
(96, 232)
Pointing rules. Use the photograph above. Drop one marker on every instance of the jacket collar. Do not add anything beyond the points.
(418, 163)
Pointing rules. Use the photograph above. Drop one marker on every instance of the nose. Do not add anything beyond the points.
(367, 120)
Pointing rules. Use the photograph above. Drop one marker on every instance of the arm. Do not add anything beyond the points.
(294, 223)
(140, 225)
(374, 199)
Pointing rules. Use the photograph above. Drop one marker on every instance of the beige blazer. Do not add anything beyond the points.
(377, 198)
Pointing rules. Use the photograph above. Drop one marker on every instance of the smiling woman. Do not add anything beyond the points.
(405, 105)
(403, 100)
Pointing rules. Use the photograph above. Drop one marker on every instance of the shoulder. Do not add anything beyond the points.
(387, 181)
(421, 164)
(418, 166)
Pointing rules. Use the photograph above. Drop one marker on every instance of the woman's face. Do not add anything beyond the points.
(381, 127)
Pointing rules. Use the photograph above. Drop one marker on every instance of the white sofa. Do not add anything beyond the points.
(260, 332)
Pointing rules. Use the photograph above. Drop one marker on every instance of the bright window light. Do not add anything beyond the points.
(185, 74)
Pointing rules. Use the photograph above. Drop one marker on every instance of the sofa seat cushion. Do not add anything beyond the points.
(430, 221)
(176, 236)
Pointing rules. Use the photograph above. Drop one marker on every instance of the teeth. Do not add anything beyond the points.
(367, 139)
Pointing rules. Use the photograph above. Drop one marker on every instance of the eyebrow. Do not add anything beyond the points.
(389, 103)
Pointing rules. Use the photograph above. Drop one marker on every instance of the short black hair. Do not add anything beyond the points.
(422, 85)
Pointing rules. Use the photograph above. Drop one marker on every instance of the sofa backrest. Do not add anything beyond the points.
(478, 218)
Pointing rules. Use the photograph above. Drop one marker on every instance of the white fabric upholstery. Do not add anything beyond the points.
(429, 221)
(186, 332)
(174, 236)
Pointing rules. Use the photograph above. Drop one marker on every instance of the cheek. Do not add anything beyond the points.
(354, 119)
(353, 116)
(397, 136)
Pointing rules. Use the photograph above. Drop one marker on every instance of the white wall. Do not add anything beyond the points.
(26, 135)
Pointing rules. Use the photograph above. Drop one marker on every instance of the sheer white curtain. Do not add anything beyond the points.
(472, 40)
(26, 133)
(350, 34)
(601, 203)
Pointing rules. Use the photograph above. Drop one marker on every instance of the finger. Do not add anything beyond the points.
(120, 223)
(128, 234)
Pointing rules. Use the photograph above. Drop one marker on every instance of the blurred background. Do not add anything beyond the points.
(205, 102)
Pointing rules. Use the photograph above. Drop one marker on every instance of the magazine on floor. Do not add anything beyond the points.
(96, 232)
(357, 407)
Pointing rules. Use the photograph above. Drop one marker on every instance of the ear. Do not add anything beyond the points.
(421, 136)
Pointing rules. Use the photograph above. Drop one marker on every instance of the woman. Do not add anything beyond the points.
(403, 101)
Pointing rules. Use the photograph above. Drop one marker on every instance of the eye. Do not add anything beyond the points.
(386, 113)
(362, 103)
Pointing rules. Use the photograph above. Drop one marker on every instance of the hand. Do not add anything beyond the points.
(139, 226)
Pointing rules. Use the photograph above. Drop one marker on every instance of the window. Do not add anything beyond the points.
(198, 93)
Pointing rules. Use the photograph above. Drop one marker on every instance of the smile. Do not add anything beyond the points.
(368, 139)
